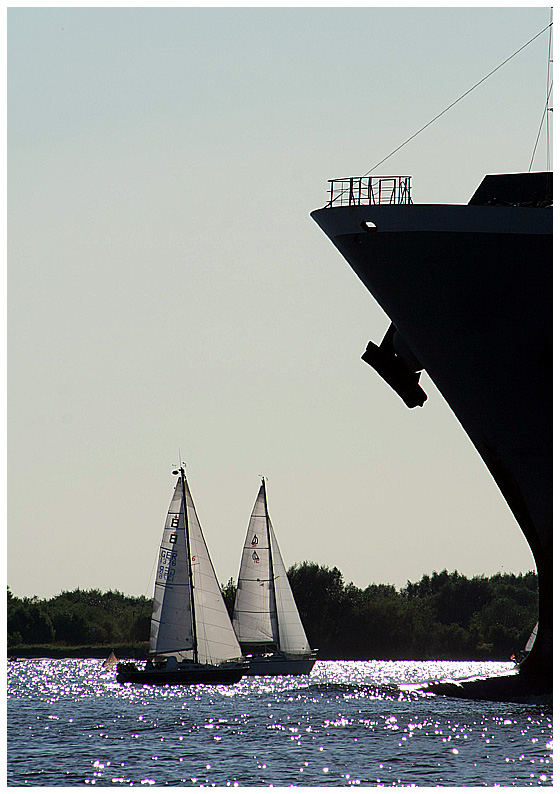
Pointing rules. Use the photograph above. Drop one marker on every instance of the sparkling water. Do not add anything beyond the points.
(345, 724)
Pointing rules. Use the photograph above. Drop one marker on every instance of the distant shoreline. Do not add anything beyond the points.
(445, 616)
(121, 651)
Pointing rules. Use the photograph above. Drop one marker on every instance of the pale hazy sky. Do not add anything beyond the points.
(167, 288)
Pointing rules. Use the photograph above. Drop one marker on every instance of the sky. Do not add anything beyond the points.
(169, 294)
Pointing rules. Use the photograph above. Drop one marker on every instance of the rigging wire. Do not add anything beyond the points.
(439, 115)
(151, 580)
(546, 107)
(547, 82)
(545, 113)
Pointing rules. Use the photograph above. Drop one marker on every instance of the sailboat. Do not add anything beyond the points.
(520, 657)
(265, 616)
(192, 640)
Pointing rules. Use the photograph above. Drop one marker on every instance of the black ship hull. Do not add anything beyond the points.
(469, 292)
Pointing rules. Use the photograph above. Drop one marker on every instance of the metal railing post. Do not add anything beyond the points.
(371, 190)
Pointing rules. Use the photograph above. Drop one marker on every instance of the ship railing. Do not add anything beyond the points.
(368, 190)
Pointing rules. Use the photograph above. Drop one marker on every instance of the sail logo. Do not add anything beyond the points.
(255, 557)
(255, 541)
(173, 537)
(175, 520)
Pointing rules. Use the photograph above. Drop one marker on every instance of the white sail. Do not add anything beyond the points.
(265, 610)
(532, 637)
(292, 637)
(254, 615)
(171, 628)
(215, 638)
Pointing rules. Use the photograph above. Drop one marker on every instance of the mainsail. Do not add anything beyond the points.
(265, 613)
(189, 617)
(254, 615)
(172, 621)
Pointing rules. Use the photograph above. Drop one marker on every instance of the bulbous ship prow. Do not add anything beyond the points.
(468, 290)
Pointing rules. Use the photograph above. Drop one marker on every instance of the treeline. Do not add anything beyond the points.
(443, 616)
(79, 617)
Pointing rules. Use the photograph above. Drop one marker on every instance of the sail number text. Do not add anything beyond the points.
(167, 563)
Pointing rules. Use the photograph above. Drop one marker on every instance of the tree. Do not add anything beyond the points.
(72, 627)
(229, 591)
(30, 622)
(319, 595)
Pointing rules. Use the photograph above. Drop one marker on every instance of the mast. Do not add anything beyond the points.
(274, 609)
(191, 588)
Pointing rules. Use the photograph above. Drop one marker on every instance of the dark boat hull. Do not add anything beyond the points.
(280, 665)
(205, 674)
(509, 688)
(469, 290)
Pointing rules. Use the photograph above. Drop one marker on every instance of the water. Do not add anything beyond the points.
(71, 724)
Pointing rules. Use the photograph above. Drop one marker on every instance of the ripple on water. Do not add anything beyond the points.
(346, 724)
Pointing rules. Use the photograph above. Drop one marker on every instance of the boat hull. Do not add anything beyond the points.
(469, 290)
(205, 674)
(507, 688)
(280, 665)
